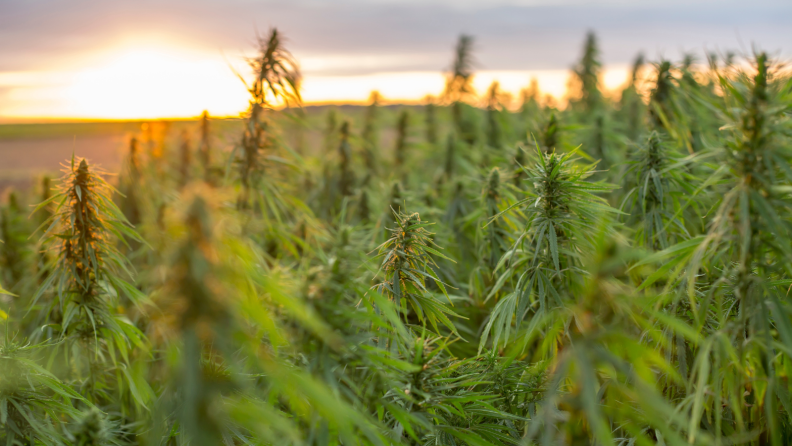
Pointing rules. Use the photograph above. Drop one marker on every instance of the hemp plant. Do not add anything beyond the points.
(277, 79)
(631, 103)
(407, 263)
(130, 184)
(549, 136)
(599, 376)
(85, 283)
(205, 147)
(529, 108)
(15, 250)
(346, 176)
(493, 237)
(371, 131)
(430, 121)
(33, 402)
(746, 256)
(196, 315)
(459, 87)
(657, 198)
(450, 161)
(560, 209)
(662, 100)
(587, 74)
(494, 126)
(402, 128)
(331, 131)
(185, 158)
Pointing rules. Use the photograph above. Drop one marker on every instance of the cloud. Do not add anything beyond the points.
(377, 35)
(86, 57)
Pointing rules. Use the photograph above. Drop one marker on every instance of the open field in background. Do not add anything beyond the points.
(31, 150)
(24, 159)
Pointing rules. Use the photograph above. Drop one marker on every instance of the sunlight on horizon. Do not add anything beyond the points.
(161, 82)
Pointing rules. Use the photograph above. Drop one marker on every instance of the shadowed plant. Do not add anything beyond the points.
(205, 147)
(494, 125)
(400, 151)
(371, 132)
(587, 73)
(431, 121)
(459, 87)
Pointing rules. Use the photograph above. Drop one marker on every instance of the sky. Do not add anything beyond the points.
(174, 58)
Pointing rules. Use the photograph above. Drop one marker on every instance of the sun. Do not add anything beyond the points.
(154, 83)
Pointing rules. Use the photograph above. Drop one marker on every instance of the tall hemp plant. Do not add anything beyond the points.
(459, 87)
(599, 377)
(494, 124)
(746, 256)
(371, 132)
(543, 266)
(205, 146)
(430, 121)
(85, 288)
(407, 264)
(277, 79)
(402, 143)
(16, 253)
(587, 73)
(529, 108)
(657, 196)
(493, 237)
(631, 103)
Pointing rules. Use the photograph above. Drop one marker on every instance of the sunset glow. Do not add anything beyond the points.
(150, 82)
(142, 83)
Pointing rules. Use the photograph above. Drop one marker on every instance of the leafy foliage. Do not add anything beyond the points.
(249, 307)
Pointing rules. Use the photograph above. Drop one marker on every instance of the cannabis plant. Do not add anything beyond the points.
(370, 131)
(85, 287)
(493, 237)
(459, 88)
(185, 158)
(494, 126)
(400, 151)
(662, 101)
(346, 178)
(549, 136)
(205, 148)
(276, 80)
(529, 108)
(544, 265)
(431, 121)
(600, 378)
(631, 105)
(744, 254)
(449, 164)
(33, 402)
(130, 184)
(15, 250)
(659, 188)
(587, 74)
(406, 264)
(331, 131)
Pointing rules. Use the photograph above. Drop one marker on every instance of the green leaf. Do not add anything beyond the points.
(551, 236)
